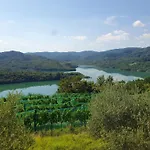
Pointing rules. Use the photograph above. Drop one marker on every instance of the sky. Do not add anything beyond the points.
(73, 25)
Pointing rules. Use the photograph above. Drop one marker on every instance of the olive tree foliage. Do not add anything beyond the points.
(13, 135)
(102, 82)
(123, 119)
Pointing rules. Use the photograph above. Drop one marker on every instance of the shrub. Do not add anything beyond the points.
(115, 112)
(13, 135)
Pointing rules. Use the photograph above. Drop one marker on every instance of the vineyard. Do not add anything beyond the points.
(57, 111)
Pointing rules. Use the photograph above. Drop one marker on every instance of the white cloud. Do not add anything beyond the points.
(138, 23)
(110, 20)
(81, 38)
(1, 41)
(117, 35)
(145, 36)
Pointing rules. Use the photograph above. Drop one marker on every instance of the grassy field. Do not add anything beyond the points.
(81, 141)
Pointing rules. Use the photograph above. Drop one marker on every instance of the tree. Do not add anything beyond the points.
(75, 85)
(13, 134)
(109, 80)
(101, 80)
(122, 118)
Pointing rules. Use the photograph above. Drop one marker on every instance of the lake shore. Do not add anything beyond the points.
(50, 87)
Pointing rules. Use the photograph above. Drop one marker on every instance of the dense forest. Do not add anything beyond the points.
(130, 59)
(26, 76)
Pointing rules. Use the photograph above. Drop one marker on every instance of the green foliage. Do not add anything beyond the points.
(12, 132)
(101, 80)
(75, 85)
(109, 80)
(62, 108)
(121, 118)
(147, 80)
(24, 76)
(139, 85)
(127, 140)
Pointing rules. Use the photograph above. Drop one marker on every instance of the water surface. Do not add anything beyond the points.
(50, 87)
(94, 73)
(45, 88)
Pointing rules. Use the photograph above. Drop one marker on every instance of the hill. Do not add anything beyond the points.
(66, 56)
(131, 59)
(16, 61)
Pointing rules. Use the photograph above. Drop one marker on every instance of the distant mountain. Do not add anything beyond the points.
(131, 59)
(66, 56)
(14, 61)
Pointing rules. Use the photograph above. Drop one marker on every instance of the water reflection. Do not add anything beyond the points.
(94, 73)
(45, 90)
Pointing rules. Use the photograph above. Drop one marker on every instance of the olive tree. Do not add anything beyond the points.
(121, 118)
(13, 134)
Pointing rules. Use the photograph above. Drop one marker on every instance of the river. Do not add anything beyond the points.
(50, 87)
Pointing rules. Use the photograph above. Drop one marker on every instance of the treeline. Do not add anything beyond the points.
(75, 84)
(23, 76)
(127, 64)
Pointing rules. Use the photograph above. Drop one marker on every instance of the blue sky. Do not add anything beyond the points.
(73, 25)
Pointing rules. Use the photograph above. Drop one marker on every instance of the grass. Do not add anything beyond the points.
(80, 141)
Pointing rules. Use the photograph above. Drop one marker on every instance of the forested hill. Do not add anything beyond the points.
(66, 56)
(16, 61)
(131, 59)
